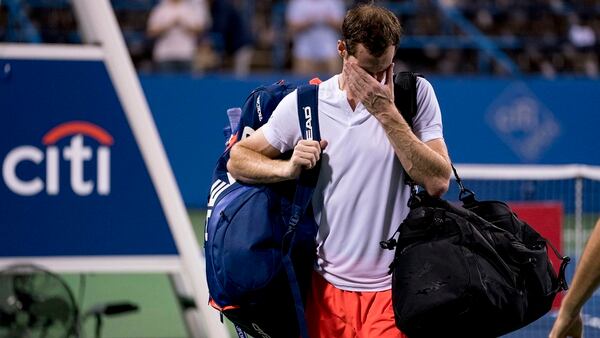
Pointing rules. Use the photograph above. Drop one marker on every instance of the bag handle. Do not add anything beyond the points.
(308, 117)
(467, 196)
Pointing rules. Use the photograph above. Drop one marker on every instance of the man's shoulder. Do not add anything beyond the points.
(289, 101)
(424, 87)
(329, 86)
(326, 89)
(332, 81)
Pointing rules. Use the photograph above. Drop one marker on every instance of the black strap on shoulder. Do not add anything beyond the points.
(405, 99)
(405, 95)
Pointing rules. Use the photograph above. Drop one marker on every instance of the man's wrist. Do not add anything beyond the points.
(568, 309)
(388, 114)
(285, 170)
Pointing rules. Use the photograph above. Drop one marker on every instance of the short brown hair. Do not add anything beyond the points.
(375, 27)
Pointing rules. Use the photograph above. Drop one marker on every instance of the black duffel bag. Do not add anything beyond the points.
(471, 271)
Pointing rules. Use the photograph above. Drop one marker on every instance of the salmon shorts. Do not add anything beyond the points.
(335, 313)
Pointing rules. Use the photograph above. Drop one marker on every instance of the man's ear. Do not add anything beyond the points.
(341, 47)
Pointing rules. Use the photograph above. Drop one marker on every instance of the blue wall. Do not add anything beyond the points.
(486, 120)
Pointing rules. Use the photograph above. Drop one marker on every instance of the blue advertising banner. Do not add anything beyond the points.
(486, 120)
(527, 121)
(73, 179)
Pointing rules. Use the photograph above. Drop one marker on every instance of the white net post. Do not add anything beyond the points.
(578, 216)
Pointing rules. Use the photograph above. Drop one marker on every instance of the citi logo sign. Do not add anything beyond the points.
(75, 153)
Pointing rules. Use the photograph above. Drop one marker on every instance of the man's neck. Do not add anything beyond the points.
(342, 84)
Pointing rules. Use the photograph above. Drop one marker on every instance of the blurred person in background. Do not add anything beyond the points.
(585, 282)
(583, 38)
(234, 34)
(315, 28)
(176, 25)
(361, 195)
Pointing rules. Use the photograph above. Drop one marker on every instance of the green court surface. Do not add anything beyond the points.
(159, 315)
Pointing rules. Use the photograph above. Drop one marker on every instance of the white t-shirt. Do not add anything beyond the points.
(177, 43)
(360, 198)
(319, 41)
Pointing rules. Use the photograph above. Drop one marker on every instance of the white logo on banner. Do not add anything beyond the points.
(523, 122)
(76, 154)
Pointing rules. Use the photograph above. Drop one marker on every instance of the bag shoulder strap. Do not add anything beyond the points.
(308, 117)
(309, 125)
(405, 95)
(308, 114)
(405, 99)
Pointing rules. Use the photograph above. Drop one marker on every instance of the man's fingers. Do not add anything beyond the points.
(359, 76)
(308, 152)
(302, 162)
(389, 79)
(349, 79)
(366, 89)
(356, 91)
(311, 156)
(323, 144)
(356, 84)
(309, 146)
(305, 160)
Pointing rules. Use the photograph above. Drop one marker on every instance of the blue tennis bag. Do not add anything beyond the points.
(260, 239)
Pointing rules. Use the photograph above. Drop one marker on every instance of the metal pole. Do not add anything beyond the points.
(103, 28)
(190, 315)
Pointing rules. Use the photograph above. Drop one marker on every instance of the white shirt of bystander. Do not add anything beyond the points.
(318, 42)
(177, 42)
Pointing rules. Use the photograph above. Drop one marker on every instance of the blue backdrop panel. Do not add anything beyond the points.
(50, 105)
(531, 121)
(486, 120)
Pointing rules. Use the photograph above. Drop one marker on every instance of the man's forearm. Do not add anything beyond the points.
(252, 167)
(587, 275)
(426, 166)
